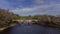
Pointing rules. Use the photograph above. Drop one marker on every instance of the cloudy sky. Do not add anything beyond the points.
(32, 7)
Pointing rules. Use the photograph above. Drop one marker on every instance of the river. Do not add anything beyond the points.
(30, 29)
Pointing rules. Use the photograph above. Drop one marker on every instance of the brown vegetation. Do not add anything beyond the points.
(6, 18)
(48, 20)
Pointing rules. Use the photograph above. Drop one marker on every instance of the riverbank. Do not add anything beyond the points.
(48, 25)
(3, 28)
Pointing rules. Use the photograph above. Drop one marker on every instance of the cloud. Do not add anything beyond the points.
(32, 7)
(52, 9)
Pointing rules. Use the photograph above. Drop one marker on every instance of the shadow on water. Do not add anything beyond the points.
(30, 29)
(6, 31)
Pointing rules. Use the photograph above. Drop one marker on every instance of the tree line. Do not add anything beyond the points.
(7, 17)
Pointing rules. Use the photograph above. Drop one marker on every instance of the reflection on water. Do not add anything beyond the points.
(30, 29)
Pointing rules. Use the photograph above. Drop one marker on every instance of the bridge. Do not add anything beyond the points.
(27, 21)
(19, 22)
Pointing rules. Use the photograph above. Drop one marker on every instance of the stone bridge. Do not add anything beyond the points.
(27, 21)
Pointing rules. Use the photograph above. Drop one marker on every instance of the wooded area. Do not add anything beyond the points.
(6, 17)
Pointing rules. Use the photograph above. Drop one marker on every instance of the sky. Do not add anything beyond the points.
(32, 7)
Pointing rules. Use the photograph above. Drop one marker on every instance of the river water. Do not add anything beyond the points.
(30, 29)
